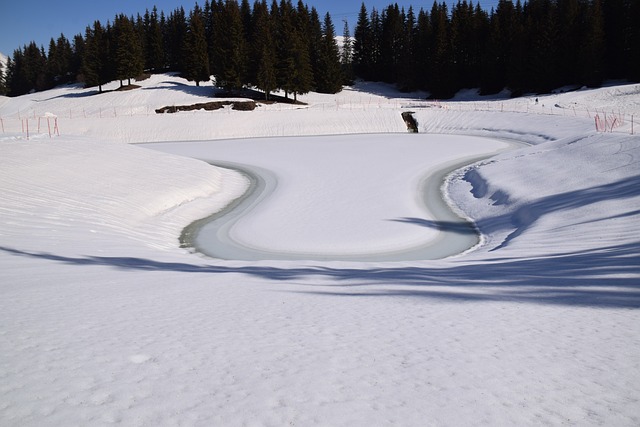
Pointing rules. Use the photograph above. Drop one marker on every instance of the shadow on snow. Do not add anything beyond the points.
(607, 277)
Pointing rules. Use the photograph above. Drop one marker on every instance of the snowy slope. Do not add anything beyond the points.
(105, 319)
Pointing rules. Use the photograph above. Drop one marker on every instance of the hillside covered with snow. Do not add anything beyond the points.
(108, 317)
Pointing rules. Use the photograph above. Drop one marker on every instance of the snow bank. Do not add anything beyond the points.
(69, 191)
(568, 195)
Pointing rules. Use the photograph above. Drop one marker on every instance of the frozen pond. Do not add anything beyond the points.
(348, 197)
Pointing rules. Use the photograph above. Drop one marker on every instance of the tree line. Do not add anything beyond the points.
(269, 47)
(535, 46)
(530, 46)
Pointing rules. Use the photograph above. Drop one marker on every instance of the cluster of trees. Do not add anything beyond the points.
(534, 46)
(530, 46)
(276, 46)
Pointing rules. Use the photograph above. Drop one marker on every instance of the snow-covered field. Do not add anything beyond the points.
(105, 319)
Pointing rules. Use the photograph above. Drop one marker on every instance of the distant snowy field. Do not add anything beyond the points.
(104, 318)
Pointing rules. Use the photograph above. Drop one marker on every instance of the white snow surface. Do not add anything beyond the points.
(105, 319)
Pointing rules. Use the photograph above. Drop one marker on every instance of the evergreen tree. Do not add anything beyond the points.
(442, 83)
(174, 34)
(591, 51)
(230, 48)
(376, 45)
(422, 50)
(482, 28)
(91, 57)
(10, 77)
(569, 20)
(614, 26)
(392, 44)
(27, 70)
(346, 56)
(462, 34)
(315, 46)
(77, 54)
(195, 49)
(59, 61)
(97, 66)
(330, 75)
(302, 77)
(154, 52)
(543, 53)
(246, 18)
(632, 41)
(37, 61)
(128, 51)
(264, 50)
(525, 45)
(52, 74)
(408, 64)
(141, 34)
(516, 73)
(363, 45)
(294, 73)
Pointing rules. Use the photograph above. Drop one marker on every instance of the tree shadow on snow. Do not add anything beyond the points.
(607, 277)
(190, 89)
(447, 226)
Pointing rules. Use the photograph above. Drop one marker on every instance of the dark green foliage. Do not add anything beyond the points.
(195, 49)
(263, 66)
(230, 48)
(26, 71)
(392, 43)
(525, 46)
(175, 32)
(59, 61)
(363, 45)
(531, 46)
(330, 70)
(346, 56)
(128, 50)
(155, 59)
(293, 70)
(442, 82)
(632, 40)
(315, 46)
(95, 60)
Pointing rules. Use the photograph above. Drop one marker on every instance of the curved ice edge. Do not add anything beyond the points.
(456, 234)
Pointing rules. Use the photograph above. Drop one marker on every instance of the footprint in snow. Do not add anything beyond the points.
(139, 358)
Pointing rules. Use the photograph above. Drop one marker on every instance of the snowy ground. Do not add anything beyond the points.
(105, 319)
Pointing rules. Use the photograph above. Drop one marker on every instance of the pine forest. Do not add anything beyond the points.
(533, 46)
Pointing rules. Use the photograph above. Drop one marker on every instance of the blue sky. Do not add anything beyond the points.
(39, 20)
